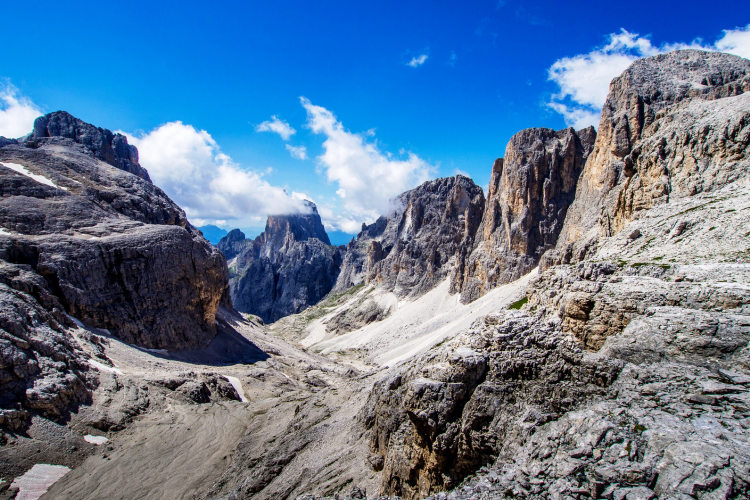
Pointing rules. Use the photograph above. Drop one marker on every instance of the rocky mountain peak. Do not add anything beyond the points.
(232, 244)
(102, 143)
(294, 227)
(529, 194)
(417, 245)
(672, 126)
(288, 267)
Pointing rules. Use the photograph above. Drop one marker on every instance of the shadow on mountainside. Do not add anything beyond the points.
(229, 347)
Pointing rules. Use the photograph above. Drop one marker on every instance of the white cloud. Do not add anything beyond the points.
(583, 79)
(736, 41)
(190, 167)
(417, 61)
(277, 126)
(298, 152)
(17, 113)
(367, 178)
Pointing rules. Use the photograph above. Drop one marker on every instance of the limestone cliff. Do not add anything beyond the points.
(529, 194)
(418, 245)
(624, 371)
(672, 126)
(288, 267)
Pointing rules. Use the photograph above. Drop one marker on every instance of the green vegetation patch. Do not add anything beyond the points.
(519, 303)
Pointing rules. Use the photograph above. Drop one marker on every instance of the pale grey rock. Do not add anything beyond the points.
(673, 125)
(417, 246)
(529, 194)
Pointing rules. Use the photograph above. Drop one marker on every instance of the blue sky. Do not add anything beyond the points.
(381, 95)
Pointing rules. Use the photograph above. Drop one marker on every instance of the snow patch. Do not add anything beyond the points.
(237, 387)
(416, 325)
(97, 440)
(17, 167)
(104, 368)
(37, 480)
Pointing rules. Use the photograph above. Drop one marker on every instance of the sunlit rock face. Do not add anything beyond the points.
(530, 191)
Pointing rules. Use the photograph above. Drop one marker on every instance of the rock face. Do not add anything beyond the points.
(673, 125)
(530, 191)
(288, 267)
(103, 144)
(232, 244)
(625, 374)
(417, 246)
(85, 239)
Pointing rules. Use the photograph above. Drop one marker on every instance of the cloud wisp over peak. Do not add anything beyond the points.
(583, 79)
(190, 167)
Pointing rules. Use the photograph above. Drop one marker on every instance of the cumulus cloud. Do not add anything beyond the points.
(736, 41)
(277, 126)
(417, 61)
(298, 152)
(191, 168)
(583, 80)
(367, 178)
(17, 112)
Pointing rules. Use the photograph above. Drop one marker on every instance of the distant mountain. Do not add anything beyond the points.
(212, 233)
(288, 267)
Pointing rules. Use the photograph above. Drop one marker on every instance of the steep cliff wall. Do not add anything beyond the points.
(288, 267)
(529, 194)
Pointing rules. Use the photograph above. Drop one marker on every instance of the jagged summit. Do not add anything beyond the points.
(416, 246)
(673, 125)
(105, 145)
(300, 226)
(288, 267)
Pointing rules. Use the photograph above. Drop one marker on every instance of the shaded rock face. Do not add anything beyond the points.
(290, 266)
(232, 244)
(530, 191)
(40, 368)
(117, 251)
(673, 125)
(103, 144)
(92, 241)
(417, 246)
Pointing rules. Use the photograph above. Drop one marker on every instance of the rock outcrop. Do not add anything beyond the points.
(673, 125)
(288, 267)
(624, 375)
(418, 245)
(87, 239)
(530, 191)
(103, 144)
(233, 243)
